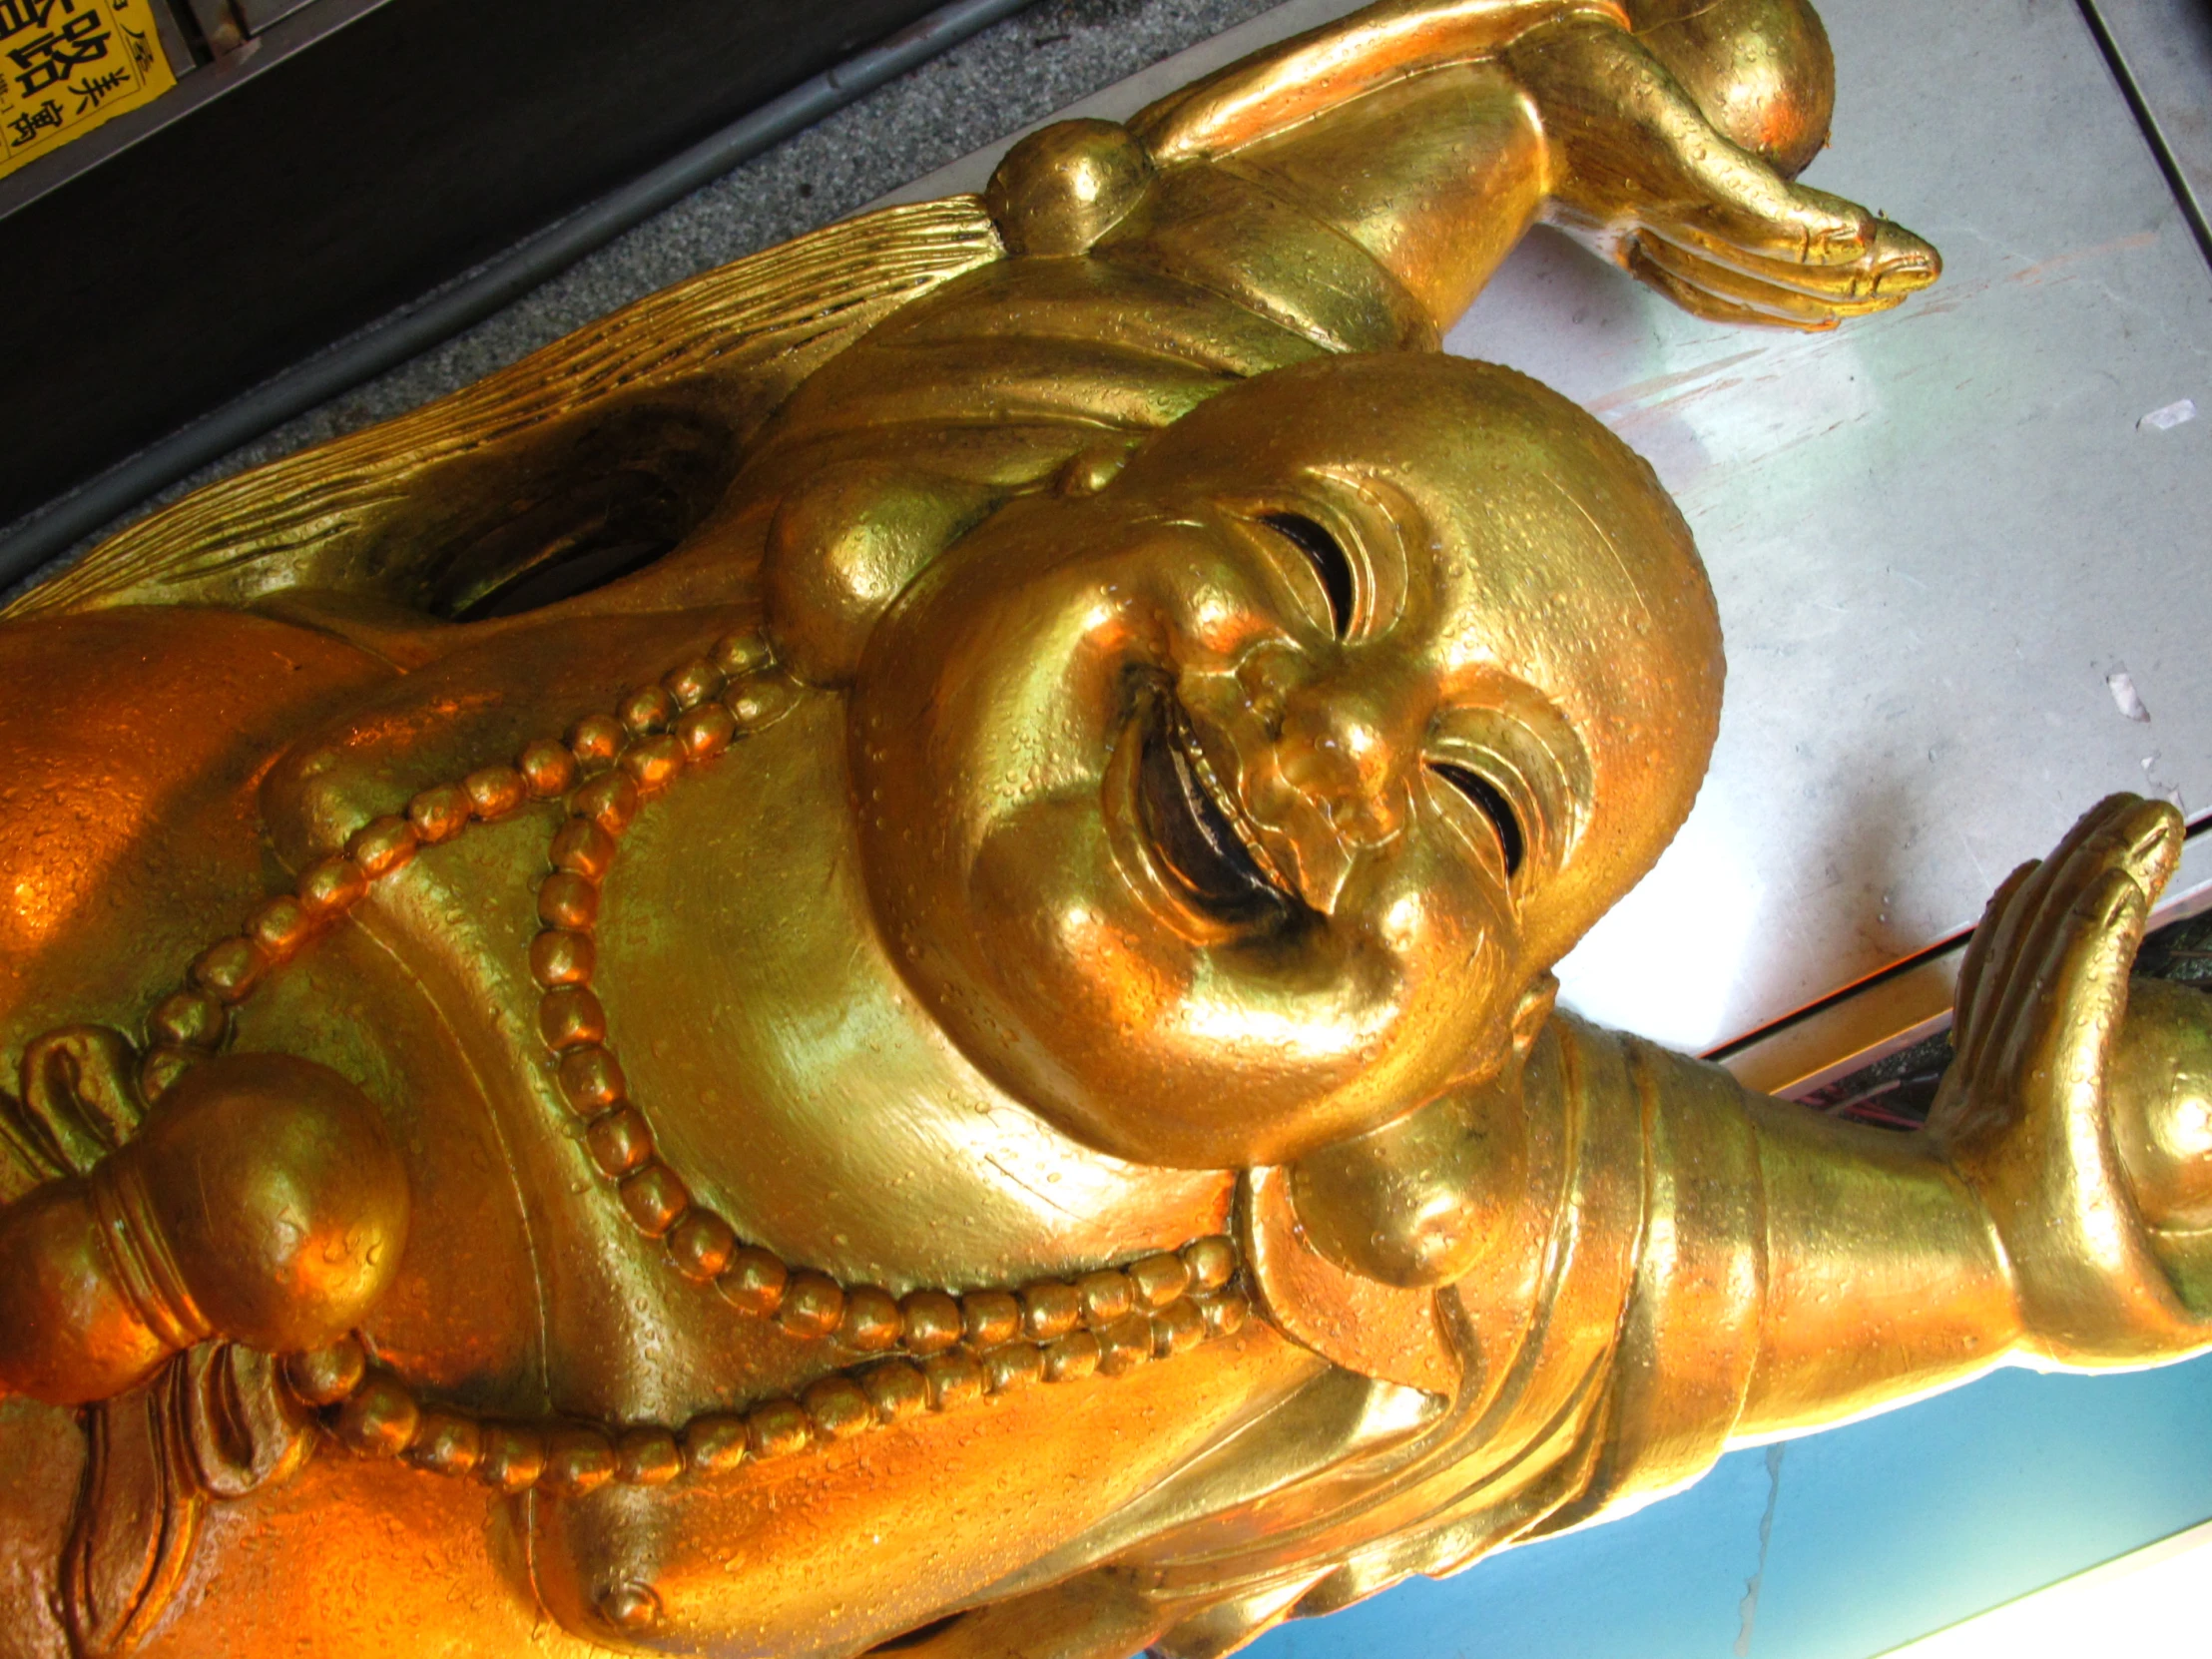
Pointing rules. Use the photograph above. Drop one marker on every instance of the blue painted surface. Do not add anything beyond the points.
(1883, 1531)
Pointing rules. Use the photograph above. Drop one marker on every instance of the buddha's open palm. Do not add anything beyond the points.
(2031, 1112)
(1641, 173)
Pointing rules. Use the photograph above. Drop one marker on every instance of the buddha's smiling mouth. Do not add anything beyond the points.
(1194, 826)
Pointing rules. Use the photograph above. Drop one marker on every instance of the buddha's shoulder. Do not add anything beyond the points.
(135, 741)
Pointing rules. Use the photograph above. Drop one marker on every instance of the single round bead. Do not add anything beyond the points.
(988, 1317)
(1125, 1345)
(610, 800)
(229, 969)
(328, 1375)
(655, 1199)
(714, 1444)
(896, 1389)
(1225, 1314)
(1106, 1296)
(1050, 1310)
(646, 710)
(1158, 1279)
(570, 1016)
(1072, 1357)
(596, 740)
(383, 845)
(647, 1457)
(496, 791)
(932, 1320)
(189, 1019)
(693, 682)
(953, 1380)
(560, 958)
(548, 768)
(870, 1322)
(591, 1080)
(754, 1282)
(1013, 1367)
(439, 813)
(706, 732)
(700, 1245)
(1212, 1262)
(1177, 1329)
(654, 762)
(446, 1443)
(620, 1141)
(568, 903)
(838, 1408)
(739, 655)
(814, 1303)
(513, 1457)
(760, 703)
(378, 1418)
(581, 846)
(778, 1428)
(279, 925)
(332, 886)
(577, 1461)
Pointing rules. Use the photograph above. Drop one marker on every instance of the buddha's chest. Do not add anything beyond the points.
(796, 1082)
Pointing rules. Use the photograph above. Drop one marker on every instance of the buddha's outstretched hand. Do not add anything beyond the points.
(2030, 1112)
(1641, 175)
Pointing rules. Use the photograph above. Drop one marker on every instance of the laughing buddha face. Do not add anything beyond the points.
(1242, 806)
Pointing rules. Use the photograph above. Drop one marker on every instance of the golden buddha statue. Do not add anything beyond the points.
(862, 960)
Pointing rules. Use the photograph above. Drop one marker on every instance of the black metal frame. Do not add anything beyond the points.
(352, 177)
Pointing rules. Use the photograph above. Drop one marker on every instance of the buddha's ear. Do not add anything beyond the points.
(844, 547)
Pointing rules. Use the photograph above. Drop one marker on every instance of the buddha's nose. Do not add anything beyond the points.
(1341, 748)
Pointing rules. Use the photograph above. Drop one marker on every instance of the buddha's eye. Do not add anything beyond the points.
(1492, 805)
(1329, 561)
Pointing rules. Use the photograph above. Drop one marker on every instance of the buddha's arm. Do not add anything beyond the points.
(1435, 133)
(1789, 1271)
(2054, 1211)
(1883, 1276)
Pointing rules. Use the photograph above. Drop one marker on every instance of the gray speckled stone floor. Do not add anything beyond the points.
(1037, 61)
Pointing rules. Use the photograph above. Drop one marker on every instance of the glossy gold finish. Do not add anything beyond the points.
(867, 951)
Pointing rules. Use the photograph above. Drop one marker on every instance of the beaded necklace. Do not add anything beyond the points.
(929, 1351)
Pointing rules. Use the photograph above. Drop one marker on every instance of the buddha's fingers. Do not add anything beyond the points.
(1747, 298)
(2060, 1043)
(2123, 836)
(1711, 307)
(1892, 264)
(2005, 933)
(1971, 1006)
(2005, 993)
(2037, 1057)
(1748, 211)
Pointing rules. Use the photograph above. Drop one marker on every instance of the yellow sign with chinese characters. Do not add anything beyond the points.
(68, 65)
